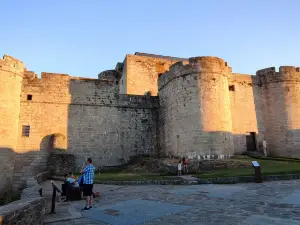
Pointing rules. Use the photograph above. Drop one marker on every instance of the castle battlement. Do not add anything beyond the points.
(209, 65)
(285, 74)
(11, 64)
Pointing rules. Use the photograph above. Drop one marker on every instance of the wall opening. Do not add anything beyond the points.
(231, 88)
(117, 82)
(29, 97)
(58, 142)
(251, 141)
(25, 131)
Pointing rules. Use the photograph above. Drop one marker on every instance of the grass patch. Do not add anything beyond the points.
(121, 176)
(269, 166)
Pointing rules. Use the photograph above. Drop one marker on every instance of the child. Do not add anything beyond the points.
(71, 179)
(179, 168)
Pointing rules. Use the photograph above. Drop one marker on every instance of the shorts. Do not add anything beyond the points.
(88, 189)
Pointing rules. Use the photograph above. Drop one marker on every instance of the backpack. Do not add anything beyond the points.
(80, 180)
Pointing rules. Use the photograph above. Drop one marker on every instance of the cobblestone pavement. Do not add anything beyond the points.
(256, 204)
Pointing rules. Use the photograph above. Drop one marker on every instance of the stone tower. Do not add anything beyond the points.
(11, 75)
(195, 116)
(281, 104)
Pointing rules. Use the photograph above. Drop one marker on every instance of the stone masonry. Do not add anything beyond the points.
(148, 105)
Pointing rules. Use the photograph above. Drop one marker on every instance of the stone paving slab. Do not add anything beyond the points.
(293, 199)
(213, 191)
(265, 220)
(133, 212)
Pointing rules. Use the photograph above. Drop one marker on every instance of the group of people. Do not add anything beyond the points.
(183, 163)
(86, 181)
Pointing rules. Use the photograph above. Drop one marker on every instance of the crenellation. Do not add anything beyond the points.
(286, 73)
(11, 64)
(265, 72)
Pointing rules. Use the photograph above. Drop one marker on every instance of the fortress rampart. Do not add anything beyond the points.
(149, 104)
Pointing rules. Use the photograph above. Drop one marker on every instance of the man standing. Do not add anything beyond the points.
(88, 182)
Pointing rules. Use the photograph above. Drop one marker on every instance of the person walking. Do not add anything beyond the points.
(88, 171)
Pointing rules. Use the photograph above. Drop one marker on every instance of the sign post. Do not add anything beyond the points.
(257, 172)
(55, 189)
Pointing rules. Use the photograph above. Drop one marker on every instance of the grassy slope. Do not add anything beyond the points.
(268, 167)
(121, 176)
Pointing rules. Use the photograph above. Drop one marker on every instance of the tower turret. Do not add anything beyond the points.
(11, 75)
(281, 104)
(195, 116)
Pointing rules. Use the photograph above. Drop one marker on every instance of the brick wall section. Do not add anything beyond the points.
(246, 109)
(11, 73)
(280, 92)
(142, 73)
(195, 117)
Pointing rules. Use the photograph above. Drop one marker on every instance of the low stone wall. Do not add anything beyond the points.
(29, 212)
(30, 209)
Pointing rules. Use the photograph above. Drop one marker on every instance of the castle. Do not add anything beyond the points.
(147, 105)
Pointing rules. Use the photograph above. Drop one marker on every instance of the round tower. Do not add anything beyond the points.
(11, 75)
(195, 116)
(281, 110)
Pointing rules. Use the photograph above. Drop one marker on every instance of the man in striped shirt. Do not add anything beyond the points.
(88, 182)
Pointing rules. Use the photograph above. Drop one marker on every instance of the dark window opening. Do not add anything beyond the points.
(29, 97)
(25, 131)
(117, 82)
(231, 88)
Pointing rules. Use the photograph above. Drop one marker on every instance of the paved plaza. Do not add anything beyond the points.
(276, 203)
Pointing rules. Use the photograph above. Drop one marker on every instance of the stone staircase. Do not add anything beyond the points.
(27, 166)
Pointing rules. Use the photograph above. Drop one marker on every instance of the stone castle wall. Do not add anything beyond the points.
(198, 109)
(11, 74)
(246, 110)
(89, 115)
(140, 73)
(281, 99)
(195, 115)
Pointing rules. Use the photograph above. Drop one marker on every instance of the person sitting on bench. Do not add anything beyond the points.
(71, 179)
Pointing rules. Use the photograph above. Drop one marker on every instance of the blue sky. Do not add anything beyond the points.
(83, 38)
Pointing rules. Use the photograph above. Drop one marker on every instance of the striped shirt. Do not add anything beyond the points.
(88, 174)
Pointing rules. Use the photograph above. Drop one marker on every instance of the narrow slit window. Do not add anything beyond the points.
(29, 97)
(25, 131)
(231, 88)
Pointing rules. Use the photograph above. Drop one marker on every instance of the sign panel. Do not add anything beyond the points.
(255, 163)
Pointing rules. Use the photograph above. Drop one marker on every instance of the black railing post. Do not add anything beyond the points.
(53, 200)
